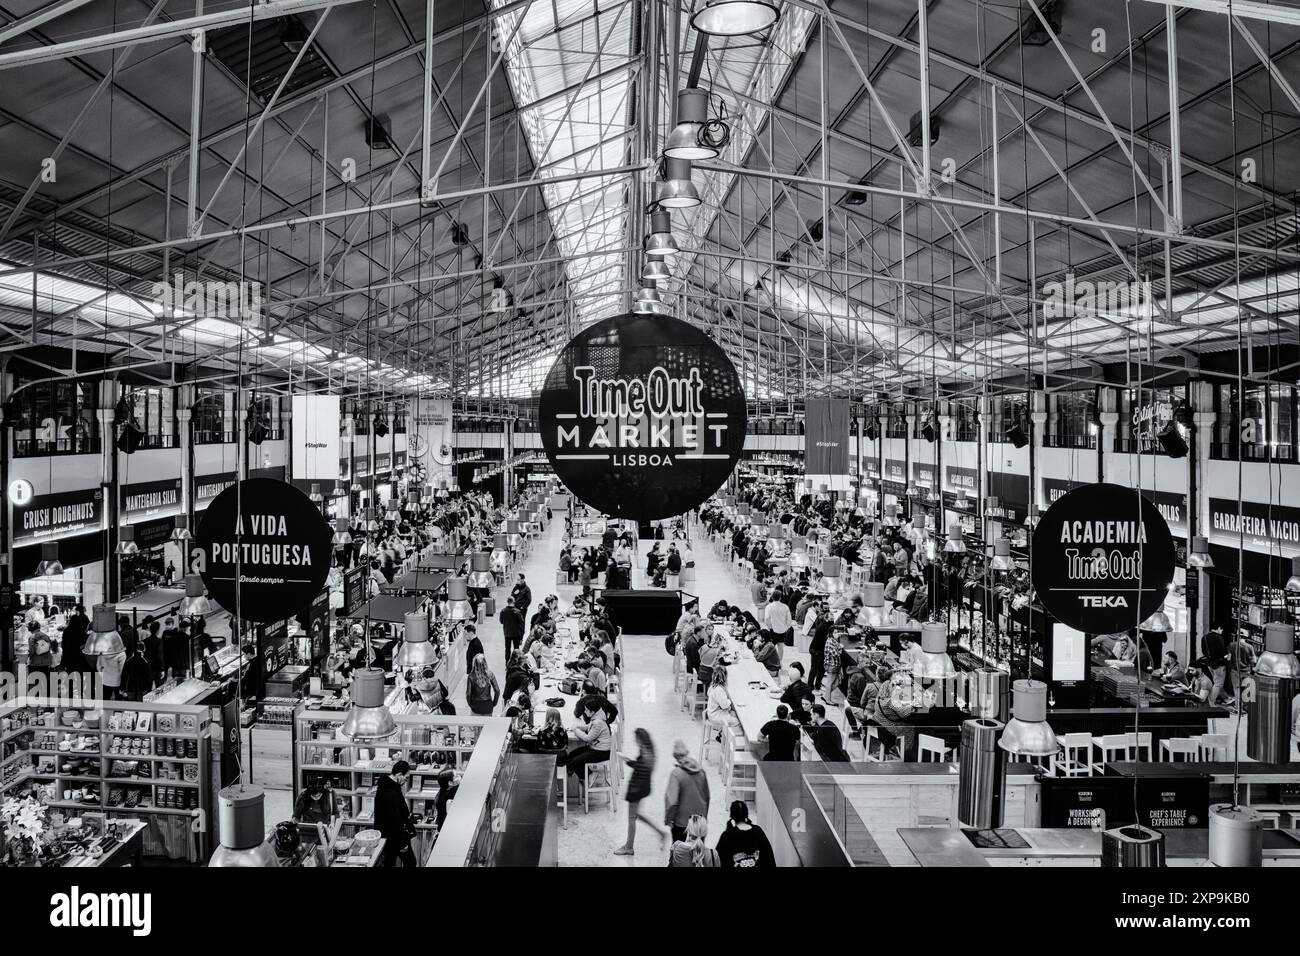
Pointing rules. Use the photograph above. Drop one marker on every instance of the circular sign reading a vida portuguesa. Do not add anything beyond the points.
(275, 537)
(642, 416)
(1103, 558)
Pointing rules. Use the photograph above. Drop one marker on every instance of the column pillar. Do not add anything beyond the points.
(104, 413)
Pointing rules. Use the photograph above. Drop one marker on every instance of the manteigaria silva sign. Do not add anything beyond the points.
(642, 416)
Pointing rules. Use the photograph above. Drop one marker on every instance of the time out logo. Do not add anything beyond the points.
(642, 416)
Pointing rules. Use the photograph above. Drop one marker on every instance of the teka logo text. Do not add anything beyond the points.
(78, 910)
(235, 301)
(1124, 301)
(1103, 600)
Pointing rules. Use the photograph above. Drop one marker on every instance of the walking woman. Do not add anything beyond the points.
(691, 851)
(638, 788)
(481, 690)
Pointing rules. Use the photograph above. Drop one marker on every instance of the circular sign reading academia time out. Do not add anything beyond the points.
(642, 416)
(1103, 558)
(270, 537)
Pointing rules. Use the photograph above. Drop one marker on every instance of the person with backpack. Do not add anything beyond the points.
(687, 795)
(481, 690)
(40, 649)
(690, 850)
(743, 845)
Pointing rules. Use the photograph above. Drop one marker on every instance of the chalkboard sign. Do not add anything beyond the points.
(354, 589)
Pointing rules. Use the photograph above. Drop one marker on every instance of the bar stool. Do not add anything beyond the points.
(1075, 758)
(1140, 743)
(598, 778)
(1112, 747)
(740, 774)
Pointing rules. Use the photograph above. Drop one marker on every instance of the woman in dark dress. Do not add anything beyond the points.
(638, 789)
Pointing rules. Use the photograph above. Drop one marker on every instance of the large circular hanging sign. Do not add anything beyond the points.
(278, 539)
(642, 416)
(1103, 559)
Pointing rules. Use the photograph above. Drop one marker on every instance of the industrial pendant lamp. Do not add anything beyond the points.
(315, 495)
(339, 491)
(369, 718)
(394, 512)
(890, 519)
(241, 812)
(692, 113)
(734, 18)
(660, 241)
(195, 603)
(648, 302)
(342, 533)
(480, 570)
(126, 540)
(1002, 560)
(933, 662)
(103, 637)
(873, 613)
(1158, 621)
(416, 650)
(1027, 733)
(1293, 582)
(676, 191)
(956, 543)
(1200, 555)
(50, 564)
(458, 606)
(181, 528)
(654, 270)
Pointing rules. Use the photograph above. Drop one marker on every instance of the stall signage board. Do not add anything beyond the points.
(1103, 558)
(50, 517)
(895, 471)
(354, 589)
(923, 473)
(961, 479)
(873, 467)
(150, 499)
(207, 487)
(277, 538)
(642, 416)
(1170, 504)
(1105, 802)
(1271, 529)
(381, 463)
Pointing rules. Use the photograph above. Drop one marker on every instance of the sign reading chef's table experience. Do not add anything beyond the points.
(1103, 558)
(642, 416)
(279, 540)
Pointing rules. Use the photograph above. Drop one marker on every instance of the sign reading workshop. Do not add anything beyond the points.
(642, 416)
(272, 539)
(1103, 558)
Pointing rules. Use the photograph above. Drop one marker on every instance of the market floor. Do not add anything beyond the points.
(648, 701)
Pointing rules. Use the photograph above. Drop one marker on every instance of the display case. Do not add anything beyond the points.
(119, 758)
(1254, 606)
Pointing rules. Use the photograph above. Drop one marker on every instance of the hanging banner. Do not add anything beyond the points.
(429, 438)
(826, 436)
(643, 416)
(1103, 558)
(49, 517)
(280, 545)
(149, 499)
(316, 423)
(1272, 529)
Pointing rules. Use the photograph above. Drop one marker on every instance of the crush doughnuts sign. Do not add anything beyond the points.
(1103, 558)
(642, 416)
(271, 537)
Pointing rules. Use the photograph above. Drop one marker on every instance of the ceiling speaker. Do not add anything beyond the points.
(1171, 440)
(1017, 436)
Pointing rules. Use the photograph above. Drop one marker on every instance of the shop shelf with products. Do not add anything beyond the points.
(117, 757)
(430, 743)
(1254, 606)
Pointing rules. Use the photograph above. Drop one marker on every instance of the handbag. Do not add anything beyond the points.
(570, 686)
